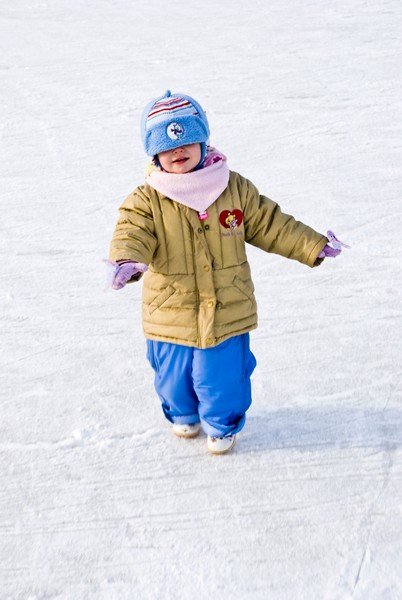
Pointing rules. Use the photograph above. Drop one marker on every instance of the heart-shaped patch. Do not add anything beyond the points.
(230, 219)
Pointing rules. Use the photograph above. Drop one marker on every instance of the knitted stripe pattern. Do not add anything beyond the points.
(168, 109)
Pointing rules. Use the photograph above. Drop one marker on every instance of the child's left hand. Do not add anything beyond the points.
(335, 249)
(329, 252)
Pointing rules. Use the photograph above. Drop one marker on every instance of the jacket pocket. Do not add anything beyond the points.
(161, 298)
(244, 287)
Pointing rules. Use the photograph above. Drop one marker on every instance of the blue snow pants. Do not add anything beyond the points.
(210, 385)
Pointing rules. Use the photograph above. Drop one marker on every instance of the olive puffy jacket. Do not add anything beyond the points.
(198, 289)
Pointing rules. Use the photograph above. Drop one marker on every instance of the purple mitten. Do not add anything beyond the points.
(335, 242)
(335, 249)
(327, 251)
(126, 271)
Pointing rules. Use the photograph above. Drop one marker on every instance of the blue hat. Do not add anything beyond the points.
(171, 121)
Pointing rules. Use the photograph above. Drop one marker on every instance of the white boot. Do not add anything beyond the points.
(185, 430)
(220, 445)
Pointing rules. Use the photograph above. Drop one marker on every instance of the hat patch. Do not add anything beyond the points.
(175, 131)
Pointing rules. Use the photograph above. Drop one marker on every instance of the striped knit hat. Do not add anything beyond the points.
(172, 121)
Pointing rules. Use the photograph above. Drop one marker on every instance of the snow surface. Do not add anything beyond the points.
(98, 499)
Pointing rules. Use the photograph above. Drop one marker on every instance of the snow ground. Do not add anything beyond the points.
(98, 499)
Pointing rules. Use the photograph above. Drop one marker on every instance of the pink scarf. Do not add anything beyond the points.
(197, 189)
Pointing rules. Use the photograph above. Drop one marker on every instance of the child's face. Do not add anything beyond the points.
(180, 160)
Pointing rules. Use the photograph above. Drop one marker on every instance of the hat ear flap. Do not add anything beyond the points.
(203, 152)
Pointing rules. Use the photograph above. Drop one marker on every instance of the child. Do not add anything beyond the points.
(187, 227)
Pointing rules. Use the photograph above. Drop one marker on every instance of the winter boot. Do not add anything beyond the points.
(186, 430)
(220, 445)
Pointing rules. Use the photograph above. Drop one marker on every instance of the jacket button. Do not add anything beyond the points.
(206, 226)
(210, 303)
(209, 341)
(200, 230)
(206, 268)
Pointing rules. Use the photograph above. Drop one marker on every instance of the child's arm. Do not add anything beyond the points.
(268, 228)
(134, 237)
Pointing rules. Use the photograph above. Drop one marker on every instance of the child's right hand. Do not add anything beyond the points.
(125, 272)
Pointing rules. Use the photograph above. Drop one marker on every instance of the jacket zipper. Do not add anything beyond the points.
(197, 293)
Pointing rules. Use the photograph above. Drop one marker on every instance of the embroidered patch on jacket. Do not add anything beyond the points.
(231, 219)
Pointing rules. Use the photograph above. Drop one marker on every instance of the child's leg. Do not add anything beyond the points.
(221, 378)
(173, 365)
